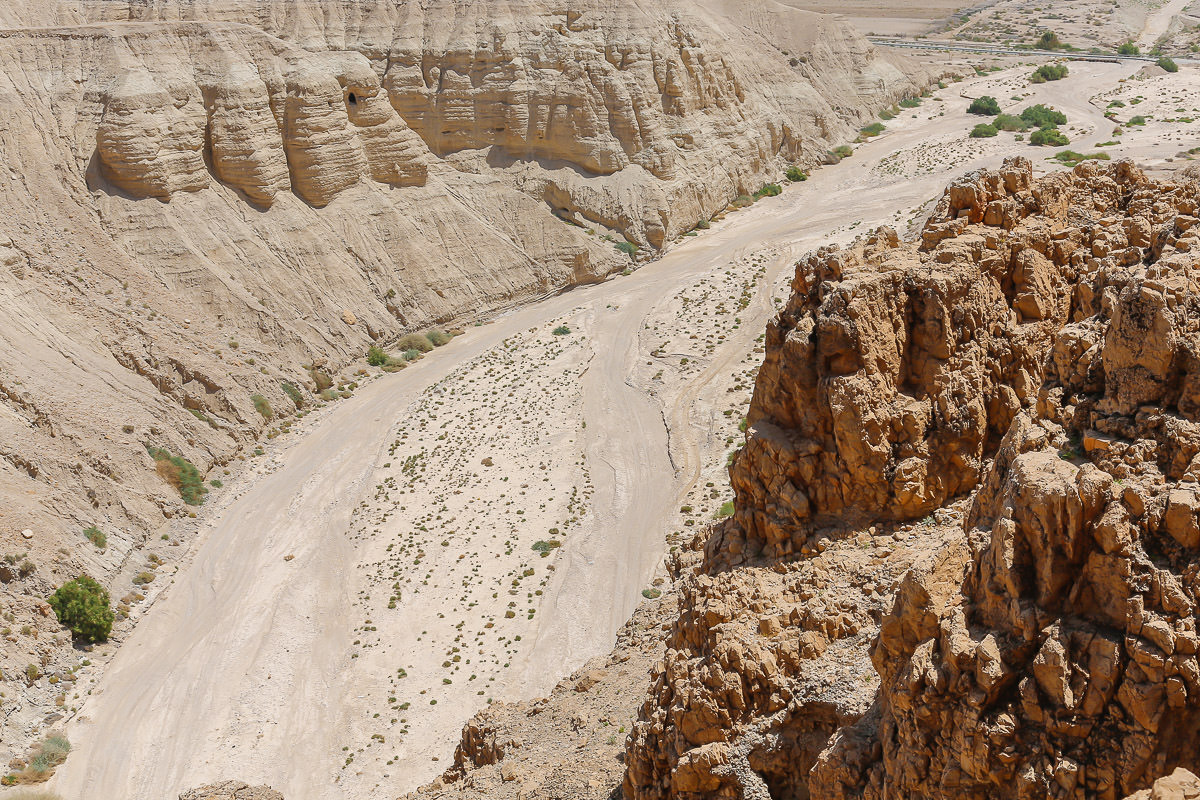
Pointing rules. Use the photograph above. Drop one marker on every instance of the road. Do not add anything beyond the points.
(236, 672)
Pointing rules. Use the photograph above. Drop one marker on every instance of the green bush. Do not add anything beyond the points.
(96, 537)
(985, 106)
(795, 175)
(843, 151)
(651, 594)
(544, 547)
(1010, 122)
(628, 248)
(415, 341)
(180, 473)
(726, 510)
(437, 337)
(561, 330)
(742, 200)
(1071, 158)
(1168, 64)
(984, 131)
(1049, 41)
(1050, 72)
(262, 406)
(1138, 120)
(82, 605)
(1041, 116)
(889, 113)
(321, 379)
(293, 394)
(874, 129)
(1048, 136)
(910, 102)
(376, 357)
(768, 190)
(703, 225)
(1129, 49)
(411, 354)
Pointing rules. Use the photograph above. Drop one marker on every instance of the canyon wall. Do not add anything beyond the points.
(1015, 393)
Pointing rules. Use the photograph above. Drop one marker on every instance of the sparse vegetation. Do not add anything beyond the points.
(874, 129)
(180, 473)
(262, 406)
(1042, 116)
(83, 606)
(768, 190)
(985, 106)
(293, 393)
(984, 130)
(628, 248)
(1168, 64)
(1049, 136)
(1138, 120)
(843, 151)
(562, 330)
(1049, 72)
(1010, 122)
(1049, 41)
(96, 537)
(437, 337)
(795, 175)
(415, 341)
(376, 357)
(651, 594)
(1071, 158)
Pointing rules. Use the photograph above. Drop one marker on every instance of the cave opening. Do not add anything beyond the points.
(352, 100)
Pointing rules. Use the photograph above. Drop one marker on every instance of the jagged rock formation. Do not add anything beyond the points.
(1033, 355)
(231, 790)
(204, 202)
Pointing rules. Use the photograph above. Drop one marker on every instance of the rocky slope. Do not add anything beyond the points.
(1015, 393)
(212, 209)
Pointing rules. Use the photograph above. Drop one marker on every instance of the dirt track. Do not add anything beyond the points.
(243, 667)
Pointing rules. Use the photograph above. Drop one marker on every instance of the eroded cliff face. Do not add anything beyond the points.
(1020, 385)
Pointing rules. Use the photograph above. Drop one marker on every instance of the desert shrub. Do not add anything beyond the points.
(795, 175)
(910, 102)
(703, 225)
(1168, 64)
(262, 406)
(768, 190)
(1049, 136)
(985, 106)
(180, 473)
(628, 248)
(742, 200)
(561, 330)
(1071, 158)
(545, 547)
(96, 537)
(1010, 122)
(874, 129)
(1041, 116)
(437, 337)
(1129, 49)
(1138, 120)
(376, 357)
(321, 379)
(411, 354)
(843, 151)
(83, 606)
(726, 510)
(651, 594)
(1049, 41)
(1050, 72)
(293, 394)
(889, 113)
(984, 130)
(415, 341)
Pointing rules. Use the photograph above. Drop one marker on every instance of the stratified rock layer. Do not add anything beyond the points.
(1032, 360)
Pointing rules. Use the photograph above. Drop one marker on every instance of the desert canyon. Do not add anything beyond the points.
(645, 399)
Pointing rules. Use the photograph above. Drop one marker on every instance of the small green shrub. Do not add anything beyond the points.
(703, 225)
(411, 354)
(985, 106)
(742, 201)
(437, 337)
(1168, 64)
(293, 393)
(1071, 158)
(1138, 120)
(843, 151)
(628, 248)
(726, 510)
(984, 130)
(376, 357)
(545, 547)
(889, 113)
(1041, 116)
(83, 606)
(910, 102)
(262, 406)
(96, 537)
(1010, 122)
(1049, 136)
(180, 473)
(561, 330)
(874, 129)
(795, 175)
(651, 594)
(1129, 49)
(768, 190)
(1050, 72)
(415, 341)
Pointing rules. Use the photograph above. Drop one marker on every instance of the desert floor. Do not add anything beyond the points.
(378, 575)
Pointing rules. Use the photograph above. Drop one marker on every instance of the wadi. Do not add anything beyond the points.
(659, 400)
